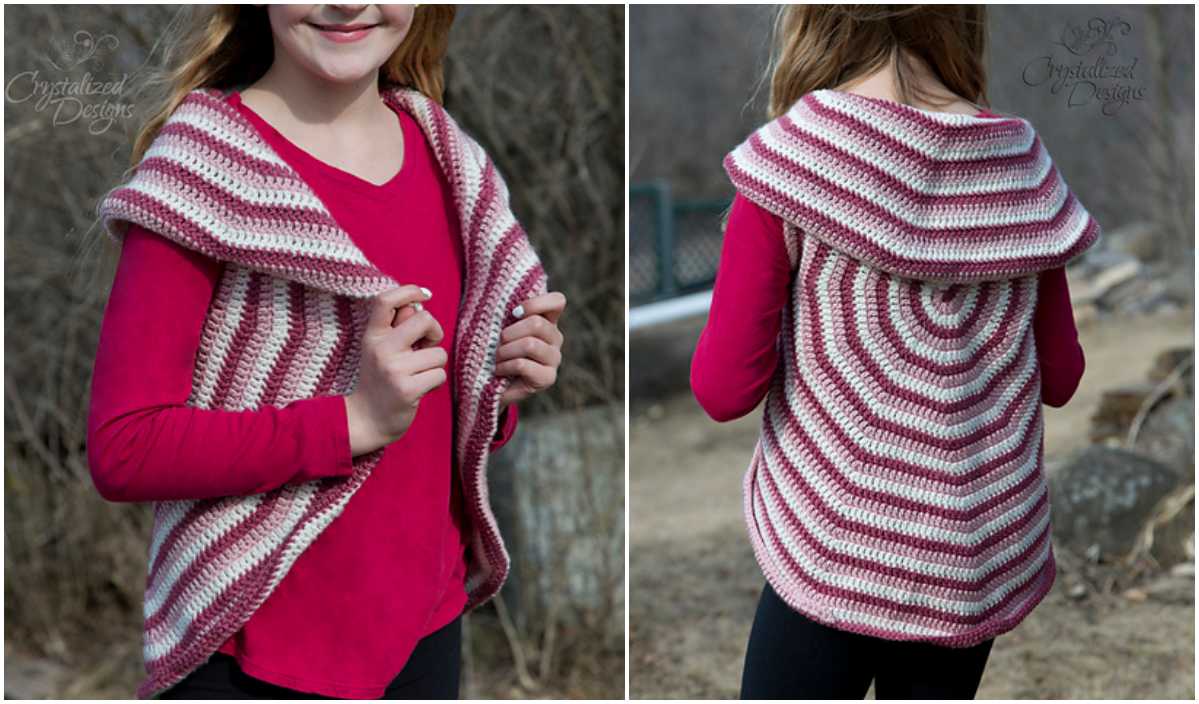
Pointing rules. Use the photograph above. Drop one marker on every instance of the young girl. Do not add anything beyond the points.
(892, 283)
(313, 434)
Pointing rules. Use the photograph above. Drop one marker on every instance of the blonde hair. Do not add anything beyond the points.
(825, 46)
(221, 46)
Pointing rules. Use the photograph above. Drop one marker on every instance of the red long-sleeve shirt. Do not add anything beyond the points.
(736, 355)
(391, 568)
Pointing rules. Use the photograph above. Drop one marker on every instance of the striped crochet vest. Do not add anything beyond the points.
(284, 324)
(897, 487)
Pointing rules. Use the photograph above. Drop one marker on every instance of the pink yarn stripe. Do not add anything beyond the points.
(794, 571)
(887, 573)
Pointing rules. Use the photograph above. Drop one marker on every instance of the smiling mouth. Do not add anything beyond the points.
(343, 28)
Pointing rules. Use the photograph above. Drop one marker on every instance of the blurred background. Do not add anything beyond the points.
(542, 88)
(1120, 620)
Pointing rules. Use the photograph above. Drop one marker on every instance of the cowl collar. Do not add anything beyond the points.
(211, 182)
(920, 194)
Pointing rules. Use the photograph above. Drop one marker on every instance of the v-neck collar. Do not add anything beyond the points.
(324, 167)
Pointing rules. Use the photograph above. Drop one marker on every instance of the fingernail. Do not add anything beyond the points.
(519, 311)
(418, 306)
(427, 292)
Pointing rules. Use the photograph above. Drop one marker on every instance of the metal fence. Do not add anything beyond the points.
(674, 245)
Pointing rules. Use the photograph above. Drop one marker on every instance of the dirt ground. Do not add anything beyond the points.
(694, 582)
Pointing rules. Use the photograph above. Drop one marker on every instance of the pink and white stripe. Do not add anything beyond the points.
(920, 194)
(897, 489)
(285, 324)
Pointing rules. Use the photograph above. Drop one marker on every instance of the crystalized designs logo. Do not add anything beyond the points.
(72, 98)
(1103, 80)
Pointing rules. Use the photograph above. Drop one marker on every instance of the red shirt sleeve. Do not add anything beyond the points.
(143, 443)
(1058, 351)
(507, 427)
(737, 351)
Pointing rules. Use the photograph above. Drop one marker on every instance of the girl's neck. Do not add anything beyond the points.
(882, 84)
(291, 93)
(346, 125)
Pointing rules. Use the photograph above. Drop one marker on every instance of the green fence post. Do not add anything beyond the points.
(665, 241)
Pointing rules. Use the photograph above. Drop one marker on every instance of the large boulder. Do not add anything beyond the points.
(1104, 497)
(1168, 435)
(558, 492)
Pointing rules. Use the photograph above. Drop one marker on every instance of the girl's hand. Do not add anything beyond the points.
(531, 350)
(401, 362)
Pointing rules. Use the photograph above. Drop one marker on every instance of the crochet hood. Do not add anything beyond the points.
(920, 194)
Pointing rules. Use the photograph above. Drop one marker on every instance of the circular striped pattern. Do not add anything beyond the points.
(897, 488)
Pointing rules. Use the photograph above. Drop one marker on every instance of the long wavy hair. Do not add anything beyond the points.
(825, 46)
(222, 46)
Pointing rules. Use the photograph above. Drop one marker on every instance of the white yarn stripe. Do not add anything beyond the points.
(220, 328)
(914, 629)
(915, 138)
(899, 168)
(967, 345)
(904, 557)
(860, 382)
(216, 577)
(222, 517)
(217, 127)
(212, 216)
(928, 293)
(850, 178)
(279, 325)
(167, 515)
(211, 166)
(846, 505)
(323, 348)
(962, 607)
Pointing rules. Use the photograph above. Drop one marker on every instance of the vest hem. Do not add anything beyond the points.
(1038, 587)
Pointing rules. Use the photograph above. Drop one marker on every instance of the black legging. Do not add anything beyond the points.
(431, 673)
(793, 657)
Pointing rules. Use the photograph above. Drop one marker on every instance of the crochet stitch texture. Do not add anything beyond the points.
(897, 487)
(285, 324)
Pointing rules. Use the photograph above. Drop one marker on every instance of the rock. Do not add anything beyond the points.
(30, 677)
(1085, 314)
(1167, 360)
(1170, 359)
(1183, 569)
(558, 492)
(1117, 407)
(1103, 496)
(1135, 594)
(1168, 435)
(1136, 295)
(1172, 589)
(1140, 239)
(1093, 288)
(1172, 540)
